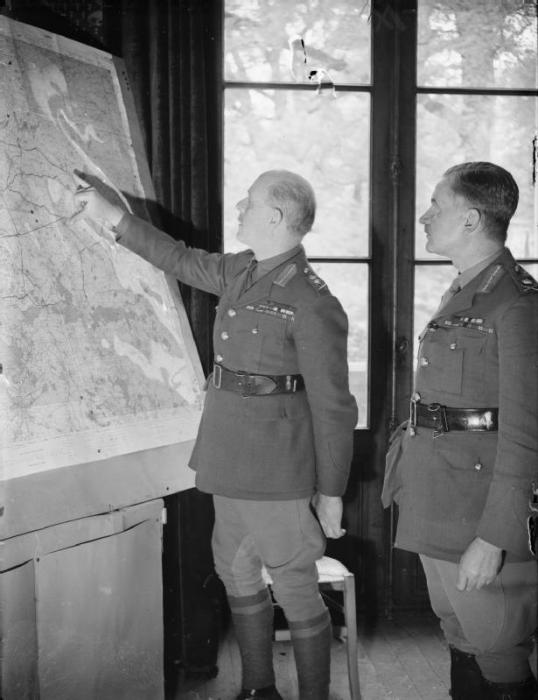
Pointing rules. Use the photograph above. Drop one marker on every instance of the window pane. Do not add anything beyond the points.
(453, 129)
(350, 283)
(336, 38)
(477, 44)
(532, 269)
(431, 282)
(324, 139)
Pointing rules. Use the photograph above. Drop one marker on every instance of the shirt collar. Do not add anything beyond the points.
(268, 264)
(471, 272)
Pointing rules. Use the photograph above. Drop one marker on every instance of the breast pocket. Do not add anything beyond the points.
(453, 361)
(272, 333)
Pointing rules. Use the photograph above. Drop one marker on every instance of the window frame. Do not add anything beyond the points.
(365, 260)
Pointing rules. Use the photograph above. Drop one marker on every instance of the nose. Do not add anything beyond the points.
(241, 205)
(425, 217)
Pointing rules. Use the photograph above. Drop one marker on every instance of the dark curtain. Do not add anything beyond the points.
(171, 50)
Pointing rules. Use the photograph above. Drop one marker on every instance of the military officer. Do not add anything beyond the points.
(463, 470)
(277, 426)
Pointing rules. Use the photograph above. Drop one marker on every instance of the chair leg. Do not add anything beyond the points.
(351, 623)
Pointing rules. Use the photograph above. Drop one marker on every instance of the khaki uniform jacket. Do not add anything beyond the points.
(479, 351)
(274, 447)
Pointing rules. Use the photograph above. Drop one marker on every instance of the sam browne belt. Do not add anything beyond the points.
(255, 384)
(444, 419)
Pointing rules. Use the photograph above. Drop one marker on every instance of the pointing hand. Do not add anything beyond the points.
(95, 200)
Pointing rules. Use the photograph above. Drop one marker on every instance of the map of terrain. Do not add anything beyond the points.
(96, 354)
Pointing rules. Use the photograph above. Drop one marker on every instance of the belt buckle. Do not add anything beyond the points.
(440, 413)
(291, 383)
(245, 384)
(217, 376)
(486, 421)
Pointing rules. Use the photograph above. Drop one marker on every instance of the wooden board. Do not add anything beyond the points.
(81, 608)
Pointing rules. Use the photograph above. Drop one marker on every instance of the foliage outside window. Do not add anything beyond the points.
(477, 81)
(276, 116)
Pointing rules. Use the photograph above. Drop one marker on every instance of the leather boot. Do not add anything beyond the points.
(522, 690)
(466, 680)
(313, 657)
(268, 693)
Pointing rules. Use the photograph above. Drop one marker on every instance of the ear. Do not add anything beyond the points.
(276, 216)
(472, 219)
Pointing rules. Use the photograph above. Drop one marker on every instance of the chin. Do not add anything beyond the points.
(431, 247)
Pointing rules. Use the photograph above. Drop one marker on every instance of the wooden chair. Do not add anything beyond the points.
(333, 576)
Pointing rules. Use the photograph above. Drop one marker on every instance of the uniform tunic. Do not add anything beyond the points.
(273, 447)
(479, 351)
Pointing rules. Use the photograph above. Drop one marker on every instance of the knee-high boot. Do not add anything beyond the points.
(311, 640)
(466, 680)
(252, 618)
(522, 690)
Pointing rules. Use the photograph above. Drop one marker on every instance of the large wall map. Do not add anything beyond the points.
(96, 352)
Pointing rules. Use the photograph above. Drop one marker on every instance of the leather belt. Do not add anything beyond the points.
(255, 384)
(444, 419)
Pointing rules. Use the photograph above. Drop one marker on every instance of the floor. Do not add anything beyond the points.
(401, 659)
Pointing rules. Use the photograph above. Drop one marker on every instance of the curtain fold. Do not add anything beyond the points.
(171, 54)
(170, 50)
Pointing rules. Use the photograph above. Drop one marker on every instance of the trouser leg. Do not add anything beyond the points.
(295, 586)
(286, 537)
(239, 567)
(495, 623)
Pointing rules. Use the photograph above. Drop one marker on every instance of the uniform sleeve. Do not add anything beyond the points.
(503, 521)
(198, 268)
(321, 344)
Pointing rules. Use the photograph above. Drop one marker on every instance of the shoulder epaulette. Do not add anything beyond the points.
(315, 281)
(286, 275)
(491, 280)
(524, 282)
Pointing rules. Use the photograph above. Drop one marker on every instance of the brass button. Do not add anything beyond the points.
(415, 397)
(224, 335)
(254, 330)
(478, 466)
(453, 346)
(232, 312)
(424, 362)
(219, 358)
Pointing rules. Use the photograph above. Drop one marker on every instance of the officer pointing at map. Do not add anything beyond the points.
(276, 433)
(465, 469)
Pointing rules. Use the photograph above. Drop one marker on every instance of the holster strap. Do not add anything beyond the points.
(255, 384)
(444, 419)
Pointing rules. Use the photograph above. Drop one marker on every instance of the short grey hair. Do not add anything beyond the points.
(295, 197)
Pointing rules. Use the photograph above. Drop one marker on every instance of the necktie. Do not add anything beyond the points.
(450, 292)
(250, 274)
